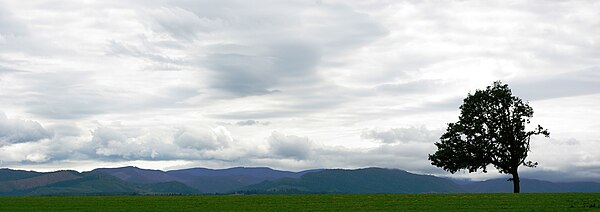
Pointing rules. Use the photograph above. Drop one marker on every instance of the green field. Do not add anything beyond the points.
(350, 202)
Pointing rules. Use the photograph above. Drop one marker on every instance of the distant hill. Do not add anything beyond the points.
(203, 179)
(255, 180)
(87, 183)
(369, 180)
(38, 181)
(137, 175)
(9, 174)
(378, 180)
(254, 172)
(228, 180)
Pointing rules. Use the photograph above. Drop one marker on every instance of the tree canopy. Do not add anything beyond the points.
(490, 130)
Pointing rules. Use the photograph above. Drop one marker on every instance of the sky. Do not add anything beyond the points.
(291, 85)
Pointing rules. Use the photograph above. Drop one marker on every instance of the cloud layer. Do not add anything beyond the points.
(291, 85)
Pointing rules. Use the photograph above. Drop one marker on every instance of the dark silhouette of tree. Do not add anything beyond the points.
(490, 130)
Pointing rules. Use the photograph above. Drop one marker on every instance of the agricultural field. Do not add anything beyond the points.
(346, 202)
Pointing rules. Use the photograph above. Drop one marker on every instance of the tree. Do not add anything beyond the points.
(490, 130)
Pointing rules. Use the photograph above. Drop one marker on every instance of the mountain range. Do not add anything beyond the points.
(255, 180)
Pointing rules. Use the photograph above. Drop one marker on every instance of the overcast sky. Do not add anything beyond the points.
(291, 85)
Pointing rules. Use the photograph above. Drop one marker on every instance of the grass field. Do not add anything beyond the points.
(394, 202)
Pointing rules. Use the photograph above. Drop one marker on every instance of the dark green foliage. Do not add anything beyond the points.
(313, 202)
(490, 130)
(369, 180)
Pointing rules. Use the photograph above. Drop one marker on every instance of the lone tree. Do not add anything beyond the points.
(490, 130)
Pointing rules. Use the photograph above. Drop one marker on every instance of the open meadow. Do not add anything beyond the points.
(395, 202)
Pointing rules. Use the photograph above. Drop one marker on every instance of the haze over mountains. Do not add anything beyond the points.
(255, 180)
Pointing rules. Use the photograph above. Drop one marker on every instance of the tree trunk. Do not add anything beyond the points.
(516, 182)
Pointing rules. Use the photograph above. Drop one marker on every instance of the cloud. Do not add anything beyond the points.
(246, 51)
(212, 139)
(244, 74)
(65, 130)
(19, 131)
(76, 94)
(236, 50)
(17, 35)
(24, 153)
(104, 135)
(251, 122)
(343, 74)
(308, 154)
(582, 82)
(159, 143)
(415, 87)
(112, 143)
(121, 49)
(4, 70)
(297, 102)
(289, 146)
(11, 26)
(589, 174)
(61, 95)
(179, 23)
(404, 135)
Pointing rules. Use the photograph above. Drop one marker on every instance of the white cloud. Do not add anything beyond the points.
(409, 134)
(30, 152)
(20, 131)
(159, 143)
(212, 139)
(251, 122)
(290, 146)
